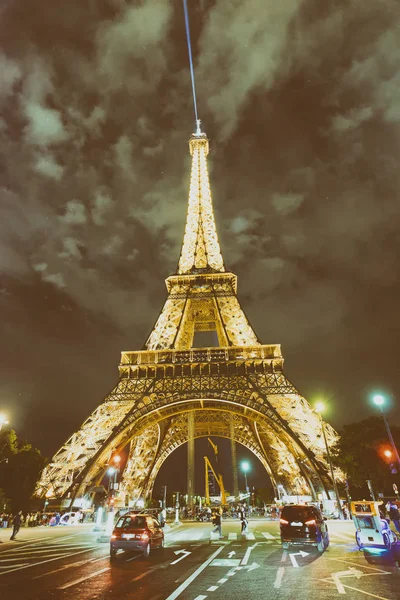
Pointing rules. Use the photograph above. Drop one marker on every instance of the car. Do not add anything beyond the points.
(140, 532)
(303, 525)
(70, 518)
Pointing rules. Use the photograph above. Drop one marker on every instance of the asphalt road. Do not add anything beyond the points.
(69, 563)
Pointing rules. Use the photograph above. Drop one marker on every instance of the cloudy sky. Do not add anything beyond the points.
(301, 102)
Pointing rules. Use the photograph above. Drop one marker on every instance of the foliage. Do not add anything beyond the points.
(360, 453)
(20, 466)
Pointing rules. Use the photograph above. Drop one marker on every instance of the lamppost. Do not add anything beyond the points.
(3, 421)
(245, 467)
(319, 407)
(379, 401)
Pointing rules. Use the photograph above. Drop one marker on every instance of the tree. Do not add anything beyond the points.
(360, 453)
(20, 466)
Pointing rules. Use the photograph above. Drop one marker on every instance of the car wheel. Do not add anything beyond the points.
(113, 552)
(358, 540)
(321, 545)
(326, 541)
(146, 550)
(386, 540)
(285, 545)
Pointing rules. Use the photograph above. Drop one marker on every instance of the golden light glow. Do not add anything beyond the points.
(237, 386)
(388, 453)
(200, 249)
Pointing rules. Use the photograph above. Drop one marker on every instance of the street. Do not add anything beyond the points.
(69, 563)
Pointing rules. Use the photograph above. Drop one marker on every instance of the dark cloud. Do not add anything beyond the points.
(301, 103)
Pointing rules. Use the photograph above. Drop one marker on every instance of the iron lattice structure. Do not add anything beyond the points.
(170, 392)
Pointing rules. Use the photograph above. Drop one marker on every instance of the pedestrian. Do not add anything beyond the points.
(217, 523)
(16, 525)
(394, 514)
(244, 523)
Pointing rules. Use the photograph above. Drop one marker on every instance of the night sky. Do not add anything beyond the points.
(301, 102)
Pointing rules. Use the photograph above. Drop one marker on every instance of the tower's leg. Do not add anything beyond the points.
(234, 461)
(190, 471)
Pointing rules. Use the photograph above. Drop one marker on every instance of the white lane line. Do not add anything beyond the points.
(246, 556)
(42, 562)
(193, 576)
(212, 588)
(267, 535)
(144, 574)
(71, 583)
(80, 563)
(250, 536)
(15, 566)
(221, 581)
(133, 558)
(278, 578)
(341, 536)
(232, 536)
(201, 597)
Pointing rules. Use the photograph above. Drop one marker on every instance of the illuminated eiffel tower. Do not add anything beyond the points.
(171, 393)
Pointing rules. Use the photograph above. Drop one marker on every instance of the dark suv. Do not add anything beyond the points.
(136, 532)
(303, 525)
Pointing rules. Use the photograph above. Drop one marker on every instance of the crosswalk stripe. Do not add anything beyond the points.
(267, 535)
(250, 536)
(232, 536)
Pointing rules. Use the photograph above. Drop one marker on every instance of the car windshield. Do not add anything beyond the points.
(297, 513)
(131, 522)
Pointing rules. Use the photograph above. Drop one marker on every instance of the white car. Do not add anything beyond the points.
(70, 518)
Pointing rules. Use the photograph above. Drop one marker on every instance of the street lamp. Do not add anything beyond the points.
(3, 421)
(320, 407)
(245, 467)
(379, 401)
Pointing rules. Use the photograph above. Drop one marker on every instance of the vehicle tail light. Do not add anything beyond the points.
(113, 537)
(145, 536)
(310, 522)
(283, 522)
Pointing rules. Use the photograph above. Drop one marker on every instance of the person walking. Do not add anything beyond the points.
(16, 525)
(244, 523)
(217, 524)
(394, 514)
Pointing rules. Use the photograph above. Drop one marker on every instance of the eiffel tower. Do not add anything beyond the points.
(171, 393)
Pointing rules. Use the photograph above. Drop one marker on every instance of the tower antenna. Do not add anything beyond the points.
(185, 9)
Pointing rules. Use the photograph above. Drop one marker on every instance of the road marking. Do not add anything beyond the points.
(133, 558)
(193, 576)
(200, 597)
(230, 554)
(144, 574)
(221, 581)
(366, 593)
(42, 562)
(212, 588)
(284, 556)
(294, 561)
(250, 536)
(278, 578)
(71, 583)
(267, 535)
(79, 563)
(225, 562)
(246, 556)
(15, 566)
(347, 538)
(232, 536)
(358, 565)
(185, 554)
(350, 573)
